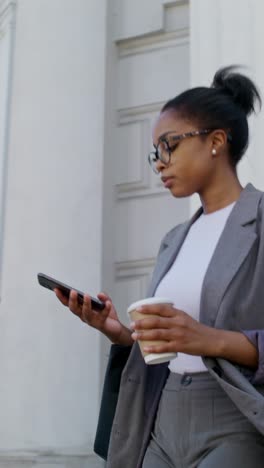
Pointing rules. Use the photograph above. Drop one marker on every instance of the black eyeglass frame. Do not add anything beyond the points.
(170, 149)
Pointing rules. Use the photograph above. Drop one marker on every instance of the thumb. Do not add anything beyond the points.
(104, 297)
(106, 311)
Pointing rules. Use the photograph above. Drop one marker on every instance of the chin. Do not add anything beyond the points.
(181, 192)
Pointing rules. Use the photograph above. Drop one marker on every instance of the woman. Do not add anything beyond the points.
(206, 408)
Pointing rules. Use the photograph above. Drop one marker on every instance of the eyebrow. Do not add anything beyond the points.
(163, 135)
(167, 133)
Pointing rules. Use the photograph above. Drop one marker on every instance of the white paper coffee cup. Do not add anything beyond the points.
(134, 314)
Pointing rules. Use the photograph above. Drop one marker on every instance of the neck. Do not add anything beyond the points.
(221, 193)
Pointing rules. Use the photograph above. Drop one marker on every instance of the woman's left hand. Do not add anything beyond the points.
(180, 332)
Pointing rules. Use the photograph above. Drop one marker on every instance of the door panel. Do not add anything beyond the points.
(146, 67)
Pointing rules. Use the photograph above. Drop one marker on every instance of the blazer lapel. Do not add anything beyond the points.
(232, 249)
(168, 252)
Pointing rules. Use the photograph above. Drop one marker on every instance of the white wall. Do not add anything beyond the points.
(225, 33)
(49, 361)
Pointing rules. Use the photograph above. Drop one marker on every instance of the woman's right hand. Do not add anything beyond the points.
(105, 321)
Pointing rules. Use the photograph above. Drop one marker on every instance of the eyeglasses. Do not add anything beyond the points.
(164, 150)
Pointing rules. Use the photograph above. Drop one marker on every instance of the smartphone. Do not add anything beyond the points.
(51, 283)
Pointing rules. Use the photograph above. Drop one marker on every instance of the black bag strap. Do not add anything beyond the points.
(116, 363)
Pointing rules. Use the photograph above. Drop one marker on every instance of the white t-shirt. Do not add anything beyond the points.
(183, 282)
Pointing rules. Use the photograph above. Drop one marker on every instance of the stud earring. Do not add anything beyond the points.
(214, 151)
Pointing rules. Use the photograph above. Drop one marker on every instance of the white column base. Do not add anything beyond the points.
(22, 460)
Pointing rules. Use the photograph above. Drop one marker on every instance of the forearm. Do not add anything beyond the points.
(123, 339)
(234, 346)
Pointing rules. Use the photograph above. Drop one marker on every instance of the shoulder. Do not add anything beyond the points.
(253, 203)
(261, 202)
(249, 206)
(260, 209)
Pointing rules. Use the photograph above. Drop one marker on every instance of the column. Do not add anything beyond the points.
(50, 360)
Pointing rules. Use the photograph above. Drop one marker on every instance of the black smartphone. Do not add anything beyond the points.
(51, 283)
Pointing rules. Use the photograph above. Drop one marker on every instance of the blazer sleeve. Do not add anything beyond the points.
(256, 337)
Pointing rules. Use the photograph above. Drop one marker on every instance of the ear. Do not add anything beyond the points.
(218, 141)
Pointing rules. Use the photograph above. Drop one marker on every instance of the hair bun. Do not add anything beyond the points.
(239, 87)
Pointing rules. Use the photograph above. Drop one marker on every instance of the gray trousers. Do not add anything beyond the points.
(197, 425)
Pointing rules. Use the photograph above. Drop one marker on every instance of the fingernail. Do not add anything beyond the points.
(132, 325)
(135, 336)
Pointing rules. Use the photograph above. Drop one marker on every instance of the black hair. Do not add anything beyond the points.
(231, 98)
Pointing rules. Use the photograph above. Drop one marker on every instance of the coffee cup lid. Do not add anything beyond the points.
(149, 301)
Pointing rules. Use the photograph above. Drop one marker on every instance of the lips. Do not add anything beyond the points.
(167, 181)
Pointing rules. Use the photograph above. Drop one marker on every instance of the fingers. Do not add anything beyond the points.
(151, 323)
(150, 335)
(167, 347)
(164, 310)
(84, 311)
(107, 309)
(74, 305)
(72, 302)
(90, 316)
(63, 299)
(104, 297)
(87, 307)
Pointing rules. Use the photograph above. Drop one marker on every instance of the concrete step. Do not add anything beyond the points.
(91, 461)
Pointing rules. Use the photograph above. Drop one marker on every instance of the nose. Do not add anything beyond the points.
(159, 165)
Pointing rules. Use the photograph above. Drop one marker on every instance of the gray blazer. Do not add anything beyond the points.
(232, 298)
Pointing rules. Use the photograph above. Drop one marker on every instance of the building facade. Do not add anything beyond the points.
(81, 83)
